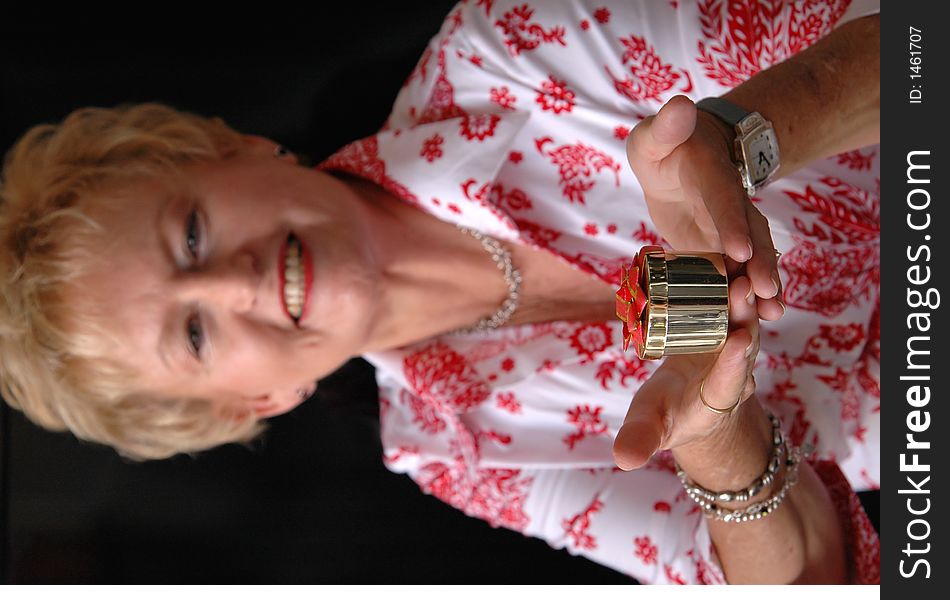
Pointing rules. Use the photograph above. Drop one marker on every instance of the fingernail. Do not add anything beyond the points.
(782, 304)
(776, 280)
(748, 243)
(748, 351)
(750, 297)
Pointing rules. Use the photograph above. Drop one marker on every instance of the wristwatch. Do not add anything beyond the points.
(756, 146)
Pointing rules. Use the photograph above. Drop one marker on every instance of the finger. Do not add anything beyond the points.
(717, 184)
(636, 443)
(645, 426)
(763, 266)
(654, 138)
(771, 309)
(742, 306)
(727, 380)
(743, 315)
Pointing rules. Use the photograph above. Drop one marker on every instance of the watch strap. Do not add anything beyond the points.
(725, 110)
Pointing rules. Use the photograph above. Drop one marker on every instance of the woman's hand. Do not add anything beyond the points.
(682, 159)
(667, 413)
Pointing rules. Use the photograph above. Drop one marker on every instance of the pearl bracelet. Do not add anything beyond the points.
(744, 495)
(758, 509)
(709, 500)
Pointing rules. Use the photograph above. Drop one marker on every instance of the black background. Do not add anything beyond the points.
(312, 503)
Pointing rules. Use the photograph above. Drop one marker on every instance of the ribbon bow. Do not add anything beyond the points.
(631, 300)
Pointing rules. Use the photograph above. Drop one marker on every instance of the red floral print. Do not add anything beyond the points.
(506, 401)
(555, 96)
(495, 195)
(828, 278)
(392, 457)
(856, 160)
(842, 338)
(537, 235)
(623, 366)
(587, 421)
(755, 34)
(540, 406)
(494, 495)
(865, 546)
(502, 97)
(706, 573)
(577, 527)
(362, 158)
(432, 148)
(647, 236)
(478, 127)
(487, 4)
(441, 104)
(576, 163)
(425, 413)
(645, 550)
(649, 75)
(502, 439)
(439, 374)
(521, 35)
(602, 15)
(673, 576)
(591, 338)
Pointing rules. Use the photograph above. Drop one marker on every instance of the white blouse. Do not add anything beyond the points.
(514, 123)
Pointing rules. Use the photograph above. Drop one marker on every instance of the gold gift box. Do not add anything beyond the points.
(674, 302)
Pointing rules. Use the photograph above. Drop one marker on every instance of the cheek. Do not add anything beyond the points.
(256, 360)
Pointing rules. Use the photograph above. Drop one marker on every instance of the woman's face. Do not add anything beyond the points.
(194, 279)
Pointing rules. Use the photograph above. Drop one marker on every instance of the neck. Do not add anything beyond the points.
(433, 278)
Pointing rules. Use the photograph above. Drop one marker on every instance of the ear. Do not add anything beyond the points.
(267, 148)
(258, 407)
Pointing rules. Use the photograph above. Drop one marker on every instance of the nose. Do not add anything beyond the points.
(228, 285)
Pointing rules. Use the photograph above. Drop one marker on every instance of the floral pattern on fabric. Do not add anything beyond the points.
(514, 122)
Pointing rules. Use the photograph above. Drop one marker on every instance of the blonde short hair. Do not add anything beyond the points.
(52, 360)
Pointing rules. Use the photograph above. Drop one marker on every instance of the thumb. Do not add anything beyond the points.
(643, 431)
(654, 138)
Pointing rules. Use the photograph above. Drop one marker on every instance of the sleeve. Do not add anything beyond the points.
(863, 543)
(639, 523)
(860, 8)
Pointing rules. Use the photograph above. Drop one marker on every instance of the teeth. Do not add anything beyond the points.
(293, 279)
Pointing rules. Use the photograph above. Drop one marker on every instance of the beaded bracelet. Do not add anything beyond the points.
(744, 495)
(759, 509)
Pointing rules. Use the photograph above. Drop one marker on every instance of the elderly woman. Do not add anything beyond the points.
(168, 283)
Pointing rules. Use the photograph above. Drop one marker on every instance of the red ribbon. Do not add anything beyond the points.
(631, 300)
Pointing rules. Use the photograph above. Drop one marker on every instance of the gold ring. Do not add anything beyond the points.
(778, 254)
(718, 411)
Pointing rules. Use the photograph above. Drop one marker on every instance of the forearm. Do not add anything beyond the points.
(800, 541)
(825, 99)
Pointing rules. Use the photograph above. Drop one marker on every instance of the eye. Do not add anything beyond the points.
(195, 334)
(193, 234)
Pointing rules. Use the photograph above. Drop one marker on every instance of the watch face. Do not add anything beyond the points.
(761, 154)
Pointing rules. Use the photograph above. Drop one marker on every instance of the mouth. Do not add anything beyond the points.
(296, 278)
